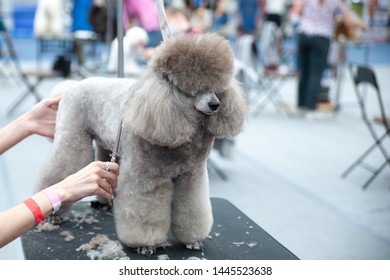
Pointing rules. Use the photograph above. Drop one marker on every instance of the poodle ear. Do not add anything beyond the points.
(155, 113)
(228, 121)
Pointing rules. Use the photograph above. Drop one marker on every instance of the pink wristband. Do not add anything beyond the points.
(54, 199)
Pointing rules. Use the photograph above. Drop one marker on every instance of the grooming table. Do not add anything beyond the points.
(233, 236)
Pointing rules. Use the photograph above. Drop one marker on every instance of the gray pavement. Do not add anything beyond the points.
(284, 174)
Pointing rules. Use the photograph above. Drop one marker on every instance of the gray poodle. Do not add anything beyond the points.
(171, 115)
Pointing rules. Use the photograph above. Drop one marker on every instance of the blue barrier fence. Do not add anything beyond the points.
(23, 16)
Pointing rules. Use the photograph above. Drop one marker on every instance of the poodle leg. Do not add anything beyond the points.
(70, 153)
(142, 210)
(102, 154)
(146, 250)
(197, 245)
(192, 217)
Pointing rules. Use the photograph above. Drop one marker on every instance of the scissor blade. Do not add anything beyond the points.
(116, 144)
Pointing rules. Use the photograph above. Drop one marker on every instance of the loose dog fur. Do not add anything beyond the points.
(171, 116)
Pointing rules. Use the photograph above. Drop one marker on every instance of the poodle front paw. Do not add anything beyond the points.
(197, 245)
(146, 250)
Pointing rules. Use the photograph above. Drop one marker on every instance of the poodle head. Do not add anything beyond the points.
(189, 82)
(195, 63)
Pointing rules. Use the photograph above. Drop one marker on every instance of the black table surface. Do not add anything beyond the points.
(233, 237)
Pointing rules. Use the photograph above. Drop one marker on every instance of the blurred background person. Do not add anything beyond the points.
(274, 10)
(143, 13)
(249, 15)
(179, 20)
(134, 42)
(316, 25)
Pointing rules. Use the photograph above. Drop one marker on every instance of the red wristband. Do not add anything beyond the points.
(37, 212)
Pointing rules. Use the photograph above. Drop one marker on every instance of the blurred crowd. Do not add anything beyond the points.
(254, 25)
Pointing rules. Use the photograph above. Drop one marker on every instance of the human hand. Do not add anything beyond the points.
(93, 179)
(42, 117)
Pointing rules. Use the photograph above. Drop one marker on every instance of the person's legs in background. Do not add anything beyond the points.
(372, 7)
(317, 56)
(388, 19)
(155, 38)
(303, 66)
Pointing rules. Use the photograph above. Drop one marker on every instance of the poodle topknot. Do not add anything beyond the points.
(179, 61)
(171, 115)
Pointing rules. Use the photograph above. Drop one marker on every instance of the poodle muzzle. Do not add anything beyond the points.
(207, 103)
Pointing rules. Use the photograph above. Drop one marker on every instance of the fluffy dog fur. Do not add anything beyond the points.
(170, 120)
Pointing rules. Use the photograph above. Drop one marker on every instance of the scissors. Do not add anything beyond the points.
(114, 153)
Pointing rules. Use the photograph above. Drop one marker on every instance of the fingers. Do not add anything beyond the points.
(52, 101)
(107, 173)
(49, 103)
(91, 180)
(104, 189)
(110, 167)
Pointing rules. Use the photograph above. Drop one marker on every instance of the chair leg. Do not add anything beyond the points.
(220, 173)
(36, 95)
(359, 160)
(375, 174)
(31, 90)
(273, 96)
(260, 106)
(17, 103)
(271, 93)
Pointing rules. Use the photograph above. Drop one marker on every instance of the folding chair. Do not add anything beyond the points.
(225, 148)
(365, 75)
(276, 68)
(25, 75)
(4, 57)
(246, 65)
(5, 73)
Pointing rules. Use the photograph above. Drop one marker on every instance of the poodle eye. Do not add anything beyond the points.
(219, 95)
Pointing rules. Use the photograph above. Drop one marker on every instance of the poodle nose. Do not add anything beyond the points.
(214, 105)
